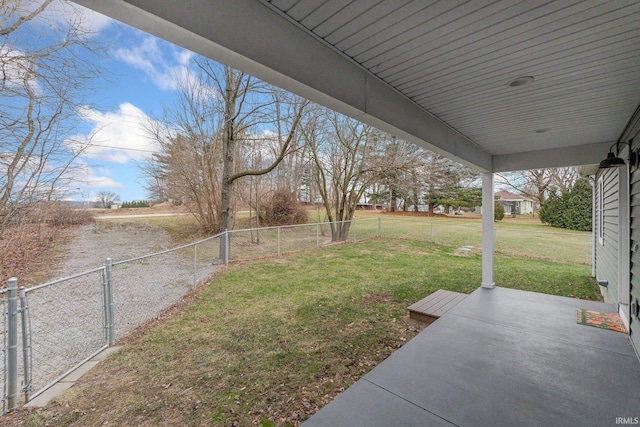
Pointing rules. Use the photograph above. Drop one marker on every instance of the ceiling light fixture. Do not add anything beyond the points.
(521, 81)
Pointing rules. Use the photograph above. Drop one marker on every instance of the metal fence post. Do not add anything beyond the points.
(317, 235)
(226, 246)
(278, 241)
(195, 265)
(111, 330)
(379, 227)
(26, 345)
(105, 305)
(12, 348)
(355, 236)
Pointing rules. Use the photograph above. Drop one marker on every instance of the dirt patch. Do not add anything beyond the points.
(376, 299)
(92, 244)
(408, 250)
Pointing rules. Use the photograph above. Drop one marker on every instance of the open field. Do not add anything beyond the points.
(523, 236)
(270, 342)
(517, 237)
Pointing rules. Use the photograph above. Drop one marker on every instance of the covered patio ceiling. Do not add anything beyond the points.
(437, 73)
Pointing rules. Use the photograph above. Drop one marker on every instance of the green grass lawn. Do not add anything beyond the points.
(521, 237)
(269, 343)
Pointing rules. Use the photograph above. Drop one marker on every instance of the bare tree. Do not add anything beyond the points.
(402, 183)
(43, 77)
(219, 114)
(349, 157)
(537, 183)
(107, 198)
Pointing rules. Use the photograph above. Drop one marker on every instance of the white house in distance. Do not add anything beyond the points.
(514, 203)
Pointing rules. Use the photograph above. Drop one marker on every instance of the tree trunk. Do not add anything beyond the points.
(228, 149)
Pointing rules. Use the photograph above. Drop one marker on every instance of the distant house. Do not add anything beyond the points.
(514, 203)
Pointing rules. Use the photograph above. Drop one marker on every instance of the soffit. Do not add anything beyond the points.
(455, 59)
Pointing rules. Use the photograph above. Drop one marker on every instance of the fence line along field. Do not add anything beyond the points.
(67, 316)
(270, 342)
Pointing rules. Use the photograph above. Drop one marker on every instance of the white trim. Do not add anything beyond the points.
(600, 213)
(488, 231)
(594, 233)
(623, 315)
(555, 157)
(624, 233)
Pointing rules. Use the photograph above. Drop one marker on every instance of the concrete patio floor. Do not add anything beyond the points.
(501, 357)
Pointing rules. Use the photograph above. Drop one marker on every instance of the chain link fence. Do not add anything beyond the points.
(65, 322)
(440, 232)
(145, 286)
(51, 329)
(65, 326)
(274, 241)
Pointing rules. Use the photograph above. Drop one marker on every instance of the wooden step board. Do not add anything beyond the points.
(429, 309)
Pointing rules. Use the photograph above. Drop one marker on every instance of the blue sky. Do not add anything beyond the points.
(141, 74)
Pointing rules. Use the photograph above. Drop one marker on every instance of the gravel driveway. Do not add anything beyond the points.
(67, 323)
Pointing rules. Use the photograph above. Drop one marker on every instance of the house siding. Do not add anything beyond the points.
(634, 267)
(606, 253)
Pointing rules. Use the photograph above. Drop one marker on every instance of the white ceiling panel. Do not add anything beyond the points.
(455, 59)
(351, 12)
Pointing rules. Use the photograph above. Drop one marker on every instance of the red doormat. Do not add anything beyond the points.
(600, 319)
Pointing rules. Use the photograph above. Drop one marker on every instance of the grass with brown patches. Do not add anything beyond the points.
(271, 342)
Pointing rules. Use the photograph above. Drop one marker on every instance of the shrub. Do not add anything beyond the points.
(283, 209)
(498, 212)
(53, 212)
(59, 213)
(570, 210)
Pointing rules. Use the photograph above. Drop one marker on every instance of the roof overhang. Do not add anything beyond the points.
(480, 122)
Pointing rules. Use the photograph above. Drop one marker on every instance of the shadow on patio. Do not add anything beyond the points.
(500, 357)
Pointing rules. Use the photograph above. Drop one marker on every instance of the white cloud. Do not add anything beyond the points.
(15, 66)
(79, 178)
(165, 71)
(86, 176)
(84, 181)
(116, 136)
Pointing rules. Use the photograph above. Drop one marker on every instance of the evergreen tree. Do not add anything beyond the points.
(498, 212)
(570, 209)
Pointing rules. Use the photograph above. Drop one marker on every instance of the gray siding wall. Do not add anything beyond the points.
(634, 201)
(606, 254)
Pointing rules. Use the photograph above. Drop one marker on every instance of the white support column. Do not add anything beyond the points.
(488, 231)
(594, 229)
